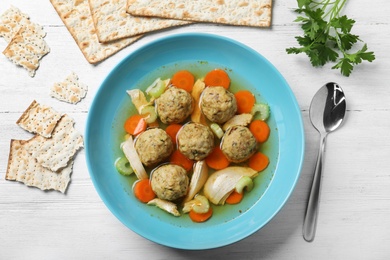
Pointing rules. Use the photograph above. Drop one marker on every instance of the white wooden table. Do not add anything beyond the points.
(354, 220)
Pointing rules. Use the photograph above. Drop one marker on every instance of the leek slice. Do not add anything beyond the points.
(198, 179)
(138, 98)
(197, 115)
(221, 183)
(242, 120)
(132, 156)
(165, 205)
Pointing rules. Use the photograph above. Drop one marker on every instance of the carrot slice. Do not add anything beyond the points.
(217, 160)
(183, 79)
(135, 124)
(217, 77)
(200, 217)
(179, 159)
(258, 161)
(234, 198)
(143, 191)
(260, 130)
(245, 101)
(172, 131)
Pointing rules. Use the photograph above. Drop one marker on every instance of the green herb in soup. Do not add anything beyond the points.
(194, 145)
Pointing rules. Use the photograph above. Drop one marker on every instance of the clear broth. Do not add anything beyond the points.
(221, 213)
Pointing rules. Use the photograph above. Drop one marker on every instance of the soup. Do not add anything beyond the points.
(267, 147)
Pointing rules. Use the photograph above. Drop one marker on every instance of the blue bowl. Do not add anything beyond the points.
(198, 53)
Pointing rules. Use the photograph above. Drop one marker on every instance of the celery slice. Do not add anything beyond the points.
(122, 165)
(217, 130)
(150, 113)
(263, 110)
(156, 88)
(244, 182)
(200, 204)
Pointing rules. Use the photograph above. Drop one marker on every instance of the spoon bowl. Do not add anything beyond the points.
(327, 108)
(327, 111)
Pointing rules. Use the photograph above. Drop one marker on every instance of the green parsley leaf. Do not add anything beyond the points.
(348, 40)
(342, 23)
(302, 3)
(345, 66)
(327, 36)
(347, 62)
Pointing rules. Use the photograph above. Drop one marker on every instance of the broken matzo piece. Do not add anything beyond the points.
(76, 16)
(71, 90)
(54, 153)
(13, 19)
(39, 119)
(22, 167)
(26, 50)
(235, 12)
(112, 22)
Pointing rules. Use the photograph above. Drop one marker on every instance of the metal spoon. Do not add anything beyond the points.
(327, 111)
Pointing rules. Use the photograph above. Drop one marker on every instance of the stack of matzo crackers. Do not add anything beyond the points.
(234, 12)
(26, 44)
(103, 27)
(46, 160)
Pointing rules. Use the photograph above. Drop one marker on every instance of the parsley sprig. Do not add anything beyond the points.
(327, 35)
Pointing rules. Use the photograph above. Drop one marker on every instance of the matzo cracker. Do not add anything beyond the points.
(235, 12)
(13, 19)
(70, 90)
(39, 119)
(76, 16)
(26, 49)
(54, 153)
(22, 167)
(112, 22)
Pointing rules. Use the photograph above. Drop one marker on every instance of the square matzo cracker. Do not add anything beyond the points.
(22, 167)
(112, 22)
(71, 90)
(235, 12)
(76, 16)
(54, 153)
(39, 119)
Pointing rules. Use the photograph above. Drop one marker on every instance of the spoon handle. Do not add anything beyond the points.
(310, 222)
